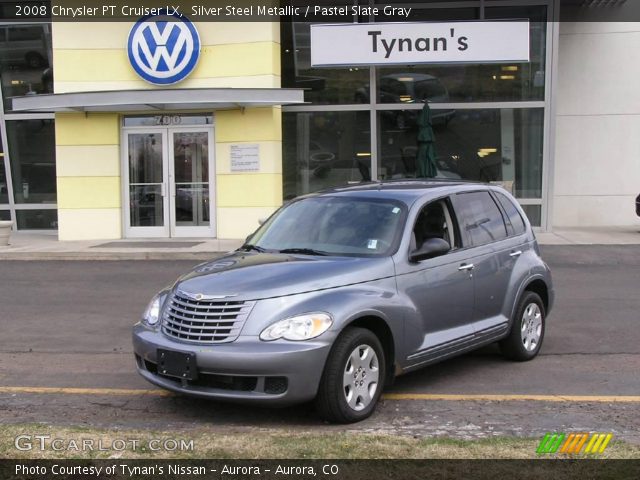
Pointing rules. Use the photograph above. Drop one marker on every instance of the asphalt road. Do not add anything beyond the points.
(67, 324)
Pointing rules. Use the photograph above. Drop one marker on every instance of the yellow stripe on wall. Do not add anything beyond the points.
(88, 160)
(89, 224)
(254, 124)
(256, 190)
(270, 157)
(114, 35)
(90, 129)
(257, 58)
(89, 192)
(247, 81)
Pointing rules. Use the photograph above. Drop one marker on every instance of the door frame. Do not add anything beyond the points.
(169, 230)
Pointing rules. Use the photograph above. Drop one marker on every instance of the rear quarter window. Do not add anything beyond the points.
(513, 215)
(480, 218)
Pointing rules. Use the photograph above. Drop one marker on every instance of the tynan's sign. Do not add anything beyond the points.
(163, 48)
(412, 43)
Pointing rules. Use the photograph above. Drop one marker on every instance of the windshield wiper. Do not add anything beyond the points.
(304, 251)
(248, 247)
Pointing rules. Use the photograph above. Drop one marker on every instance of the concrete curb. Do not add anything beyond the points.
(108, 256)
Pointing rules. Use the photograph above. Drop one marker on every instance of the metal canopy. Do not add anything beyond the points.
(158, 100)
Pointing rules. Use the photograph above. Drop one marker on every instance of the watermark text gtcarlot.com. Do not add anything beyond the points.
(43, 443)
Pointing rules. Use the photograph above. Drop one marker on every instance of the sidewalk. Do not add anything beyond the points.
(31, 246)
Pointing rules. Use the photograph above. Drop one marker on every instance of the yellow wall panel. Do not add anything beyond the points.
(258, 58)
(89, 192)
(241, 221)
(87, 224)
(270, 157)
(249, 81)
(239, 59)
(114, 35)
(257, 190)
(88, 160)
(255, 124)
(92, 129)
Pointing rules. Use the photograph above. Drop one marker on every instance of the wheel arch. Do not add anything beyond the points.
(381, 329)
(540, 287)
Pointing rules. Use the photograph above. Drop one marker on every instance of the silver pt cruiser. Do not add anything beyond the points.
(339, 292)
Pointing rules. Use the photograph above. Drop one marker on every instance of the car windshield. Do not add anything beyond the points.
(344, 226)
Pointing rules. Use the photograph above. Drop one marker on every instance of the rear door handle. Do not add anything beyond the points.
(517, 253)
(466, 266)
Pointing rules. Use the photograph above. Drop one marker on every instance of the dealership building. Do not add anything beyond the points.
(135, 129)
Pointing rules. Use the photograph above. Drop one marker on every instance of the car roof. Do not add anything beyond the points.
(405, 190)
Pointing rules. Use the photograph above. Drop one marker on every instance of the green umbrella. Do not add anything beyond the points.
(426, 155)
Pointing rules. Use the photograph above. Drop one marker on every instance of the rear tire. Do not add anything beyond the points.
(353, 377)
(527, 329)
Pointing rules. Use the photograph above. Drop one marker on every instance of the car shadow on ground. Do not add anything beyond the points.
(210, 413)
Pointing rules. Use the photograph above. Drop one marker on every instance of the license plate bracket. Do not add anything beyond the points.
(177, 364)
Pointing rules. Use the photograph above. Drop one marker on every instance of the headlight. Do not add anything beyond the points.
(151, 315)
(301, 327)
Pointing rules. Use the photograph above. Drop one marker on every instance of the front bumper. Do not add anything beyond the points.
(248, 370)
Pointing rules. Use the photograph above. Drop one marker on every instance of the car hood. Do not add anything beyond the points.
(256, 276)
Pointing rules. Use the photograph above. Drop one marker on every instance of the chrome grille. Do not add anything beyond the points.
(205, 320)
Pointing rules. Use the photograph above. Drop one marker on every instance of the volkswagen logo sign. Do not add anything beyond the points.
(163, 48)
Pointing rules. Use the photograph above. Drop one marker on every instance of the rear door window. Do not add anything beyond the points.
(513, 216)
(480, 218)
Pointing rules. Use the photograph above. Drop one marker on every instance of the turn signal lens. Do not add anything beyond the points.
(301, 327)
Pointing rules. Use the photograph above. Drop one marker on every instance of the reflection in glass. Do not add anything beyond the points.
(145, 158)
(167, 120)
(33, 163)
(37, 219)
(146, 205)
(489, 145)
(471, 82)
(25, 59)
(4, 186)
(324, 149)
(191, 169)
(325, 85)
(534, 213)
(146, 179)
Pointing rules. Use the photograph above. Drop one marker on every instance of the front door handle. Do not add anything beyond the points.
(466, 266)
(517, 253)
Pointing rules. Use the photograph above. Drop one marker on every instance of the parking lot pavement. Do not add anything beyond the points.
(67, 325)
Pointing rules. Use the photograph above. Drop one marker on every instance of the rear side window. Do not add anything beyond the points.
(480, 217)
(513, 215)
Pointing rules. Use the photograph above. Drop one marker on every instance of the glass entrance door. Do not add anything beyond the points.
(189, 167)
(146, 175)
(168, 182)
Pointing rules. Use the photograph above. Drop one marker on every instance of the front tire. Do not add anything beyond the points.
(353, 378)
(527, 329)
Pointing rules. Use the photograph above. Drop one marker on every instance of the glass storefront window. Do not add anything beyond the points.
(490, 145)
(471, 83)
(325, 149)
(37, 219)
(25, 60)
(5, 215)
(534, 213)
(32, 154)
(325, 85)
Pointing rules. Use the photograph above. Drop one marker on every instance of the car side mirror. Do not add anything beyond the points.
(433, 247)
